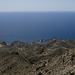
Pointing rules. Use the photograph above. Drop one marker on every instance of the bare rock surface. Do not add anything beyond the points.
(56, 57)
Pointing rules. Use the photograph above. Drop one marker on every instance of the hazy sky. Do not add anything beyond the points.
(37, 5)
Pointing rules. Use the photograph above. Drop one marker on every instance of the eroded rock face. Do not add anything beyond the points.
(56, 57)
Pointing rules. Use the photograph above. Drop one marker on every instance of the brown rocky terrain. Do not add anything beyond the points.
(56, 57)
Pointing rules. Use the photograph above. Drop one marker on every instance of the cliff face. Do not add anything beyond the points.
(56, 57)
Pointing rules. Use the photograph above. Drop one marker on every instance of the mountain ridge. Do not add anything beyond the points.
(56, 57)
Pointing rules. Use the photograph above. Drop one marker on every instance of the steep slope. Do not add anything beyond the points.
(56, 57)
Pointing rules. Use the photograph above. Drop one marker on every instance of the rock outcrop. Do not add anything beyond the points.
(2, 43)
(56, 57)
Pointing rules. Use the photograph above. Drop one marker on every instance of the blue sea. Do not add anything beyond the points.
(29, 26)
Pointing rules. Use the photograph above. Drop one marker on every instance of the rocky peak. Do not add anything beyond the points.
(17, 43)
(2, 43)
(54, 39)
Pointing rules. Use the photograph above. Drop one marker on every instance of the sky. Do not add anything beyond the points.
(37, 5)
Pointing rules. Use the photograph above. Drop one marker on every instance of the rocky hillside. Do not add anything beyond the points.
(56, 57)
